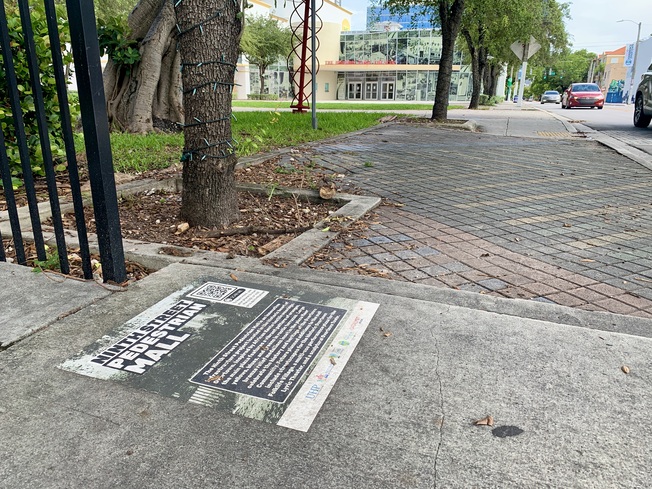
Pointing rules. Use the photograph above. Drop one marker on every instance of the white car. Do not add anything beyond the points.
(643, 103)
(551, 97)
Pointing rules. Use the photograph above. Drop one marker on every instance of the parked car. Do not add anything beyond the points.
(551, 97)
(643, 101)
(582, 95)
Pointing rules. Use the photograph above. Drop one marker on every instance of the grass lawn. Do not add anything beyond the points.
(344, 106)
(255, 132)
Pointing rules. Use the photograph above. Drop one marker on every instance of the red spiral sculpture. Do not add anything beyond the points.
(302, 49)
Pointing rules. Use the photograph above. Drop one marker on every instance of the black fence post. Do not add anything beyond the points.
(88, 70)
(69, 143)
(21, 137)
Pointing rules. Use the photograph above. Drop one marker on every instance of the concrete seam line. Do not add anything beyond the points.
(569, 127)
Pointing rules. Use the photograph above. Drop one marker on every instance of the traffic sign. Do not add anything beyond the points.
(525, 51)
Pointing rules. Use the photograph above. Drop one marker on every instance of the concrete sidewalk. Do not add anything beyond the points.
(433, 360)
(400, 415)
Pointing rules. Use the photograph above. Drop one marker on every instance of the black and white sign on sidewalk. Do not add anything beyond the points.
(257, 352)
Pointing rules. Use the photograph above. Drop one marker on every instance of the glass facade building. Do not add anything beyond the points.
(410, 20)
(407, 65)
(380, 65)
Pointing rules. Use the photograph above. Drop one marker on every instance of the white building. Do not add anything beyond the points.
(643, 61)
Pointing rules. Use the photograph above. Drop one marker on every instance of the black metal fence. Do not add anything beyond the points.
(84, 43)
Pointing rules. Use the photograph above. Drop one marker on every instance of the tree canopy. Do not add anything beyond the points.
(264, 41)
(558, 73)
(448, 14)
(105, 9)
(491, 26)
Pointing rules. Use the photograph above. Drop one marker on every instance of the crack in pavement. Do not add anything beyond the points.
(441, 409)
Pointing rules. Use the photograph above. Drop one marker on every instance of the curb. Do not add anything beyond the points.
(634, 154)
(158, 255)
(569, 127)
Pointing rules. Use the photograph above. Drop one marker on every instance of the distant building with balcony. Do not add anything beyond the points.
(608, 70)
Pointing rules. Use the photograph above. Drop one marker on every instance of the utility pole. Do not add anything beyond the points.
(638, 39)
(589, 78)
(313, 67)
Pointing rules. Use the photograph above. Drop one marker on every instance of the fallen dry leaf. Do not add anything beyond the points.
(387, 118)
(487, 421)
(333, 361)
(567, 225)
(387, 335)
(233, 277)
(327, 192)
(625, 369)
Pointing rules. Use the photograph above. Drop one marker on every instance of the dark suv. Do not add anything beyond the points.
(643, 103)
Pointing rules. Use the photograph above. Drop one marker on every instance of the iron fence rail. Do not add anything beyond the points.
(86, 55)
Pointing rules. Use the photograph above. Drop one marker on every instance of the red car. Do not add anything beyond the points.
(582, 95)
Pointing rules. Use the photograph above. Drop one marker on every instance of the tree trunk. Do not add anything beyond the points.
(491, 78)
(488, 81)
(451, 17)
(261, 73)
(150, 89)
(475, 69)
(479, 55)
(209, 34)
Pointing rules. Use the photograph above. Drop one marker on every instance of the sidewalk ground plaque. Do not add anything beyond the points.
(255, 352)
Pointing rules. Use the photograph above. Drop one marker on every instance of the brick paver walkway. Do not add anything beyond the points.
(554, 220)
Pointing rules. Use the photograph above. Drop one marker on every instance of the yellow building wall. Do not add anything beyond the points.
(614, 71)
(329, 50)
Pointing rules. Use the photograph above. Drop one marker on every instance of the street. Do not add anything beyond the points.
(614, 120)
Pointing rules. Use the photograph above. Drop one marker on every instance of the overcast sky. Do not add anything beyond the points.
(592, 25)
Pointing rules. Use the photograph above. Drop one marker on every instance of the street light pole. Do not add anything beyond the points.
(638, 39)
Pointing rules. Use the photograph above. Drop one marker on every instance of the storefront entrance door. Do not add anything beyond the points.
(387, 92)
(371, 91)
(355, 91)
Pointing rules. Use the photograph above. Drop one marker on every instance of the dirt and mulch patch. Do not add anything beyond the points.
(457, 124)
(64, 189)
(269, 218)
(50, 266)
(267, 222)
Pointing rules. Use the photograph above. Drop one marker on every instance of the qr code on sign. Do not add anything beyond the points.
(212, 291)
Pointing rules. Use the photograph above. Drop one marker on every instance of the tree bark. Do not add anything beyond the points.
(473, 52)
(261, 74)
(209, 34)
(150, 89)
(450, 15)
(491, 74)
(478, 63)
